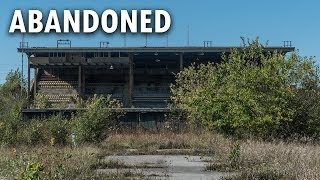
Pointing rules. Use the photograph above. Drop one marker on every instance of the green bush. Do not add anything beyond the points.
(59, 130)
(9, 130)
(93, 124)
(306, 118)
(32, 171)
(41, 101)
(53, 130)
(32, 133)
(175, 120)
(250, 93)
(12, 100)
(234, 155)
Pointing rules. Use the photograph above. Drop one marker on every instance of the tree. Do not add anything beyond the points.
(248, 93)
(13, 100)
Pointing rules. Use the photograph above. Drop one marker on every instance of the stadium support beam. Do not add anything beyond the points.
(35, 82)
(28, 90)
(181, 61)
(131, 80)
(79, 81)
(83, 78)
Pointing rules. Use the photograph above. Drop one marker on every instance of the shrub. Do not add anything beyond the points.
(306, 118)
(93, 124)
(32, 171)
(12, 100)
(32, 133)
(41, 101)
(53, 130)
(175, 120)
(235, 155)
(59, 129)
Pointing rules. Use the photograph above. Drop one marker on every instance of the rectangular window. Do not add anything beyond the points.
(90, 54)
(96, 54)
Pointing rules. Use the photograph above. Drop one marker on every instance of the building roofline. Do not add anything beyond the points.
(146, 49)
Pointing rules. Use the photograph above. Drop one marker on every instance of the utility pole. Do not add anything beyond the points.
(22, 46)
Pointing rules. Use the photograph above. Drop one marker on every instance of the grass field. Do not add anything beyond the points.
(249, 159)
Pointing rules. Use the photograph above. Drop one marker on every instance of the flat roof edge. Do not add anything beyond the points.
(146, 49)
(46, 110)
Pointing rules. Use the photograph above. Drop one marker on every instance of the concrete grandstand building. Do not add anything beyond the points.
(139, 77)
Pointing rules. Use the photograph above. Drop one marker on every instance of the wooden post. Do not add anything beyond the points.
(131, 79)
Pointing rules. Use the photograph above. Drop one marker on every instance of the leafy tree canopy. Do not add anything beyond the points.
(249, 93)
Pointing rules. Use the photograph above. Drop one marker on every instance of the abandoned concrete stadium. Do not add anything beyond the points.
(139, 77)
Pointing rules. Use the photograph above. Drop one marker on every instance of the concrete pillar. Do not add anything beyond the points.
(131, 80)
(83, 81)
(35, 82)
(28, 81)
(181, 62)
(79, 81)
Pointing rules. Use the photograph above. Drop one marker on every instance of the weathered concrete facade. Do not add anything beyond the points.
(138, 76)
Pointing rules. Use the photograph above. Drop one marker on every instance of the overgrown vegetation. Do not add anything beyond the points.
(88, 126)
(53, 130)
(32, 171)
(41, 101)
(48, 162)
(250, 159)
(251, 93)
(12, 100)
(93, 124)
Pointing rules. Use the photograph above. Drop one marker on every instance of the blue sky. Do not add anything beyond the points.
(223, 22)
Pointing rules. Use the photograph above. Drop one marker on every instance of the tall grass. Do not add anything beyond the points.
(286, 160)
(257, 159)
(250, 159)
(58, 162)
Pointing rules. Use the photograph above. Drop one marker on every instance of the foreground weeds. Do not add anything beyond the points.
(279, 160)
(249, 159)
(150, 143)
(58, 162)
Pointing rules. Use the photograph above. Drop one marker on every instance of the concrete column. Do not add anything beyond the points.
(35, 82)
(181, 61)
(28, 81)
(83, 81)
(131, 80)
(79, 80)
